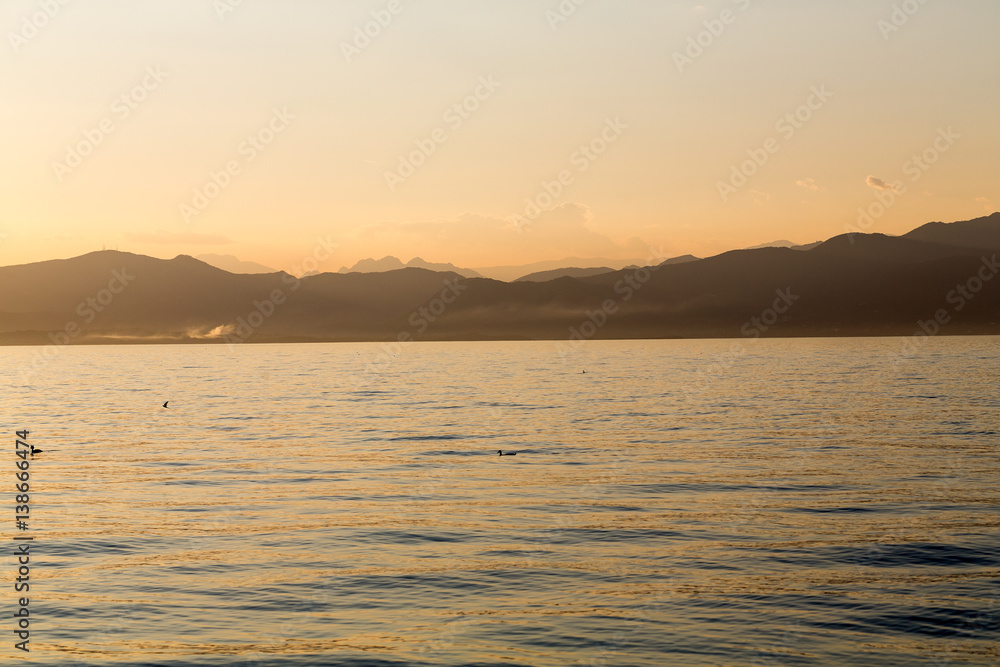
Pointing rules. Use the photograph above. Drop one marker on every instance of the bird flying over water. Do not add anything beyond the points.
(165, 404)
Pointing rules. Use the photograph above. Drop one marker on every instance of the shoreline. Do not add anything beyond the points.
(42, 340)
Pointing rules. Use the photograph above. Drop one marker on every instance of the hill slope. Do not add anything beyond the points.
(982, 233)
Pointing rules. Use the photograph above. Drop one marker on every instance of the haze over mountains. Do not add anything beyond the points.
(394, 264)
(577, 272)
(571, 272)
(939, 278)
(785, 244)
(504, 273)
(553, 268)
(234, 264)
(574, 267)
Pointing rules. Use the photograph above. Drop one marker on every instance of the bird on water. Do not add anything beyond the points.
(500, 452)
(35, 450)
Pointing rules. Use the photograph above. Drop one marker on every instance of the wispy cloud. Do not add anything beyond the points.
(807, 183)
(879, 184)
(474, 240)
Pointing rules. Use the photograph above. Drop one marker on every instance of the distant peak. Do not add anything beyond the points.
(371, 265)
(233, 264)
(188, 259)
(774, 244)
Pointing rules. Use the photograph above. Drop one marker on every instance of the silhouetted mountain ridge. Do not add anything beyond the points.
(391, 263)
(982, 233)
(572, 272)
(860, 284)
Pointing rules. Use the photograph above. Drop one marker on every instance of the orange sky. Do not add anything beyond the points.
(484, 133)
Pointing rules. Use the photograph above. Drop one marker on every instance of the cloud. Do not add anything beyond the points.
(161, 237)
(879, 184)
(987, 204)
(476, 240)
(807, 183)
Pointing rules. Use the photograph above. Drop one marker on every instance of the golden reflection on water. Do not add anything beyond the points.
(280, 514)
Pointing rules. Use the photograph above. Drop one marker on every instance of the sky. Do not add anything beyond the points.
(488, 133)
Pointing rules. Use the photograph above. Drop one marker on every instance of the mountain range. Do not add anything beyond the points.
(939, 278)
(394, 264)
(574, 267)
(553, 268)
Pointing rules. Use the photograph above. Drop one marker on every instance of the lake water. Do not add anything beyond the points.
(778, 502)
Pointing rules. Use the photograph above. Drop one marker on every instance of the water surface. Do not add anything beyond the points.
(783, 502)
